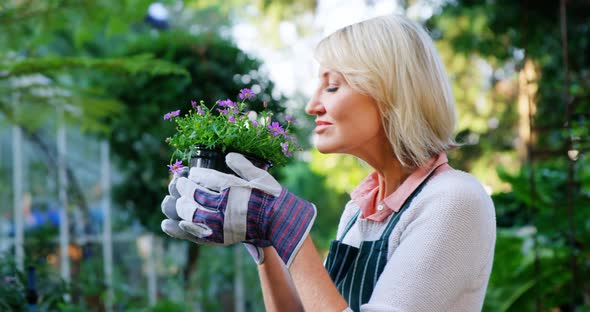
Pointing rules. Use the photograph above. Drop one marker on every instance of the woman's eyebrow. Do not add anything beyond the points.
(326, 73)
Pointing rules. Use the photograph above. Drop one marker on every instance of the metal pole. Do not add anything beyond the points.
(151, 271)
(17, 183)
(239, 298)
(64, 237)
(107, 238)
(571, 161)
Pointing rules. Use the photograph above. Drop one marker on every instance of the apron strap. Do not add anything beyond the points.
(395, 218)
(351, 222)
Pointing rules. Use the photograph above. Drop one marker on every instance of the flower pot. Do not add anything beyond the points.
(214, 159)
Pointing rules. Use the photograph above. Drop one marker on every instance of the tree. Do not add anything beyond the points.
(218, 70)
(548, 193)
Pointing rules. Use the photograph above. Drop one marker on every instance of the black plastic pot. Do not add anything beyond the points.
(214, 159)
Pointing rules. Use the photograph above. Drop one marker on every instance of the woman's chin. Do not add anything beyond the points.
(324, 148)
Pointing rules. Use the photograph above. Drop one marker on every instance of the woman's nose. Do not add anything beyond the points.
(314, 106)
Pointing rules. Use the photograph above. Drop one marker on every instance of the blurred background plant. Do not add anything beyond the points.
(97, 74)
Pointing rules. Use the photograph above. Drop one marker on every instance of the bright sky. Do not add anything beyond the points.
(293, 67)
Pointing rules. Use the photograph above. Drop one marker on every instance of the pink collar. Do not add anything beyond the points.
(365, 194)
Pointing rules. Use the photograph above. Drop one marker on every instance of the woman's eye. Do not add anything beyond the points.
(331, 89)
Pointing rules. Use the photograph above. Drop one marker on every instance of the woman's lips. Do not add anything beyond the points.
(321, 126)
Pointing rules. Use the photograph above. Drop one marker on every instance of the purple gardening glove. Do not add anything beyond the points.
(223, 209)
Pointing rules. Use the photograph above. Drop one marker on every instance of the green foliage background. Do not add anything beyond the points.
(542, 252)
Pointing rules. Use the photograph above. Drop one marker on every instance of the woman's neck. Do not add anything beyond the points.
(390, 171)
(391, 176)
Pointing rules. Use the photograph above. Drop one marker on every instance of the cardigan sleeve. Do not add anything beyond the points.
(444, 252)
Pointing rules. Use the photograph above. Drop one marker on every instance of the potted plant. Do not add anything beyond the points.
(206, 134)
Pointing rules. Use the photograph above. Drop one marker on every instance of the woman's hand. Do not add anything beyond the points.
(215, 208)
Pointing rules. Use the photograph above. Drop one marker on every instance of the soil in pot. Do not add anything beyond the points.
(213, 159)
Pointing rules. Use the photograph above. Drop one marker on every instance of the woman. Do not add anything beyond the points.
(416, 235)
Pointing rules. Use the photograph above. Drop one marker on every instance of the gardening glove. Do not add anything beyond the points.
(253, 208)
(171, 226)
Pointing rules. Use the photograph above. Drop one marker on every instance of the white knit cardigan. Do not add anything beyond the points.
(440, 252)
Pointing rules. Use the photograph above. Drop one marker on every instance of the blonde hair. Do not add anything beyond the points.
(393, 60)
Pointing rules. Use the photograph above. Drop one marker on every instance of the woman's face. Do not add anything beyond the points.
(346, 120)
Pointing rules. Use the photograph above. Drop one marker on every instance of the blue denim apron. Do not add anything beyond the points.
(354, 270)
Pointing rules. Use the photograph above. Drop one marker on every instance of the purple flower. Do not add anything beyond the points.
(226, 103)
(194, 104)
(254, 123)
(170, 115)
(290, 119)
(200, 111)
(231, 118)
(293, 140)
(176, 167)
(246, 94)
(276, 129)
(285, 149)
(222, 111)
